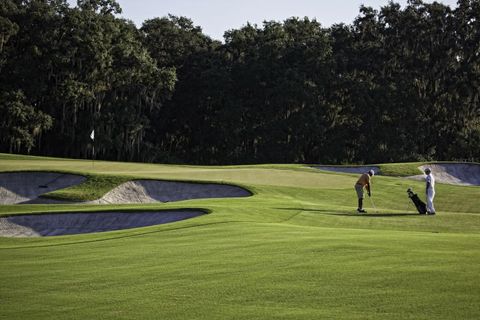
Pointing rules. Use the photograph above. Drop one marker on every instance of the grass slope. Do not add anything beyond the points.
(294, 250)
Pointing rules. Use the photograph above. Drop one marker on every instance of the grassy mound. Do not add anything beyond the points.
(94, 187)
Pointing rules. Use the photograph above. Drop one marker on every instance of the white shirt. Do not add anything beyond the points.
(430, 179)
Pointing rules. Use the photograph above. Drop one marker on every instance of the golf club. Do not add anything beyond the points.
(373, 205)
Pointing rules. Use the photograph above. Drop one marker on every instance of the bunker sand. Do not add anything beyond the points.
(41, 225)
(148, 191)
(465, 174)
(21, 187)
(27, 187)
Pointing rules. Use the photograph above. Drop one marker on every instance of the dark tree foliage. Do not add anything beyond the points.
(398, 84)
(87, 70)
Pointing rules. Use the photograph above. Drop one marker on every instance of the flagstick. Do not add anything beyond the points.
(92, 136)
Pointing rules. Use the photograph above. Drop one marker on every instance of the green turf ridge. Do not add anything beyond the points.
(8, 156)
(98, 209)
(94, 187)
(401, 169)
(294, 250)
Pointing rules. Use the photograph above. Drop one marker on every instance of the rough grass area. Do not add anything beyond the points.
(294, 250)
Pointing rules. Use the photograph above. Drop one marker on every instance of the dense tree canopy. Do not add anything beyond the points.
(398, 84)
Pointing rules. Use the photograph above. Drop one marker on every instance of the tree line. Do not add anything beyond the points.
(398, 84)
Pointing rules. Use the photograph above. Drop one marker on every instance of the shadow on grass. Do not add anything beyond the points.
(351, 214)
(117, 237)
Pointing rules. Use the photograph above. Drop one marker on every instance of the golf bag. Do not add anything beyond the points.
(419, 204)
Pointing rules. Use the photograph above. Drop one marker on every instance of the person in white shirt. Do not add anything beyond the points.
(430, 190)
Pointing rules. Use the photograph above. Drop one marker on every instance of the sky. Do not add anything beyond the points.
(217, 16)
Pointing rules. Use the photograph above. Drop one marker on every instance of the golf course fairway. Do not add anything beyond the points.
(294, 249)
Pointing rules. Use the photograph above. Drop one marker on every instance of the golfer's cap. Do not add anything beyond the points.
(371, 172)
(428, 170)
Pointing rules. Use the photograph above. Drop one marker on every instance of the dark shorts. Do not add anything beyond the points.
(359, 189)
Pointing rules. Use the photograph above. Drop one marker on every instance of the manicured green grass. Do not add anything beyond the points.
(401, 169)
(94, 187)
(294, 250)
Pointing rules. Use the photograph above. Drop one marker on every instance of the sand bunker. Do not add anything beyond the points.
(147, 191)
(345, 169)
(39, 225)
(19, 187)
(465, 174)
(27, 187)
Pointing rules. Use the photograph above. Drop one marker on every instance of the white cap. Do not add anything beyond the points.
(371, 172)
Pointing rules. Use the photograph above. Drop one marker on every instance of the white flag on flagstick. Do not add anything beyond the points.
(92, 135)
